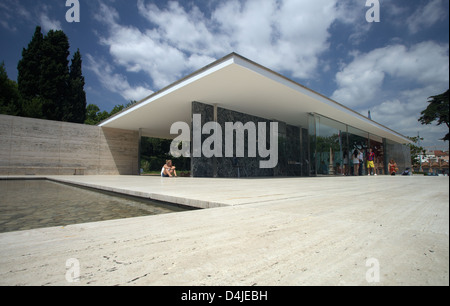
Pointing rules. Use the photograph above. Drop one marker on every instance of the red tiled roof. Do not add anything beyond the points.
(439, 153)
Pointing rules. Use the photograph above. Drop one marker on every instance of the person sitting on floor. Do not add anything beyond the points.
(168, 170)
(392, 166)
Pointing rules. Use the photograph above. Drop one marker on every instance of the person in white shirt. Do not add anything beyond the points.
(168, 170)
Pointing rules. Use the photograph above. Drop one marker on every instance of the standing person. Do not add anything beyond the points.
(355, 159)
(345, 161)
(392, 166)
(168, 170)
(361, 162)
(370, 163)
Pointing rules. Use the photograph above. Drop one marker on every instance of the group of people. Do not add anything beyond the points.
(168, 170)
(357, 159)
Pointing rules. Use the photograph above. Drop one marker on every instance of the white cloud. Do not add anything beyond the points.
(426, 16)
(48, 24)
(11, 12)
(394, 83)
(115, 82)
(287, 36)
(361, 81)
(402, 115)
(353, 14)
(290, 37)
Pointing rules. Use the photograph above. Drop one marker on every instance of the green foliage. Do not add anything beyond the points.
(9, 94)
(118, 108)
(416, 150)
(94, 116)
(54, 77)
(48, 89)
(437, 110)
(325, 143)
(75, 110)
(155, 152)
(29, 74)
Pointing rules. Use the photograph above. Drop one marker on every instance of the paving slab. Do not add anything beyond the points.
(286, 231)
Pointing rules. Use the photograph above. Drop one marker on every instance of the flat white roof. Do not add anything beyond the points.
(239, 84)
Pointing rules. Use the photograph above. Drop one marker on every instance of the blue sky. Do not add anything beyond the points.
(135, 47)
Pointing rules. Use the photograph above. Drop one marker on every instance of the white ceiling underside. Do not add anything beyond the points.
(238, 84)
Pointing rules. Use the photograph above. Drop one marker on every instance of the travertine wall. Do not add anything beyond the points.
(42, 147)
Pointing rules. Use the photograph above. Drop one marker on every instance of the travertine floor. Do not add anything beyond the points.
(297, 231)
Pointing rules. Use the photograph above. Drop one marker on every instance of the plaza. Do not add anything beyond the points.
(302, 222)
(279, 231)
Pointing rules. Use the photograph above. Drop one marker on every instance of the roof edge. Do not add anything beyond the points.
(191, 75)
(235, 57)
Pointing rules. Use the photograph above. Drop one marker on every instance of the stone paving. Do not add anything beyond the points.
(299, 231)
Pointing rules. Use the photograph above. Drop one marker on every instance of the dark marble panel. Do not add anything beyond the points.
(289, 148)
(202, 166)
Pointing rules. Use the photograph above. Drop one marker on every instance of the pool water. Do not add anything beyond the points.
(31, 204)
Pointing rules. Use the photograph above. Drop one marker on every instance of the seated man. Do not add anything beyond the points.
(168, 170)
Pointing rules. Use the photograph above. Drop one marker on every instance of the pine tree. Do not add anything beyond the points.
(54, 77)
(437, 111)
(29, 72)
(48, 88)
(9, 94)
(75, 110)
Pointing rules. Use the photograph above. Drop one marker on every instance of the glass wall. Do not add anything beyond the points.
(339, 149)
(376, 143)
(329, 146)
(358, 144)
(311, 164)
(328, 143)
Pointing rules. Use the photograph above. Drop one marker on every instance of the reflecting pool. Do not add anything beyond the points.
(31, 204)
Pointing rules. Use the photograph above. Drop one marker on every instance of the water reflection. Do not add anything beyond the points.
(30, 204)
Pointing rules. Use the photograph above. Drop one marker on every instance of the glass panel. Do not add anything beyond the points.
(375, 138)
(330, 146)
(311, 164)
(357, 145)
(376, 143)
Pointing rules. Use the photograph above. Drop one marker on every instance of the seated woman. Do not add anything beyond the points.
(168, 170)
(392, 166)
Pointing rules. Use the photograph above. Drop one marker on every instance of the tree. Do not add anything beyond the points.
(9, 94)
(29, 73)
(48, 88)
(54, 76)
(118, 108)
(437, 110)
(94, 116)
(416, 150)
(75, 109)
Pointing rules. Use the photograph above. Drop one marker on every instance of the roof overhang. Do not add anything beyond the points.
(238, 84)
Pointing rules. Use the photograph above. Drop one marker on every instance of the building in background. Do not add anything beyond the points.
(316, 135)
